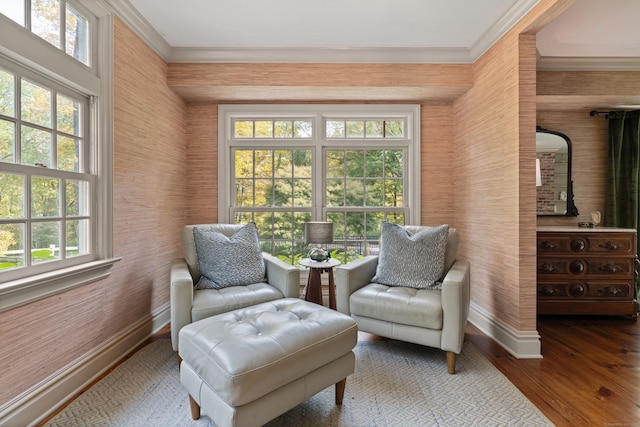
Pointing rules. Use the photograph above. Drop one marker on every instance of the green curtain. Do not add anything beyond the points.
(621, 207)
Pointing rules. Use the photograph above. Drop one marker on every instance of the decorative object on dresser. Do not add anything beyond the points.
(586, 271)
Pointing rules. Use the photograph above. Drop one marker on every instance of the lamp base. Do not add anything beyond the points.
(319, 254)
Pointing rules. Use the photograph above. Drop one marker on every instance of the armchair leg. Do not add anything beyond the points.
(451, 362)
(195, 408)
(340, 385)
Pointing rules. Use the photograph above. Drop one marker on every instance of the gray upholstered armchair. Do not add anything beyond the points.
(189, 304)
(431, 317)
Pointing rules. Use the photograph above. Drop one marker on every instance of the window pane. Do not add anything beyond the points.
(375, 192)
(36, 147)
(282, 227)
(244, 192)
(7, 141)
(393, 164)
(13, 9)
(68, 154)
(78, 232)
(302, 195)
(393, 128)
(335, 192)
(243, 129)
(374, 128)
(45, 197)
(354, 163)
(393, 193)
(283, 129)
(354, 193)
(12, 196)
(7, 92)
(77, 36)
(302, 129)
(335, 164)
(302, 163)
(282, 163)
(45, 241)
(263, 163)
(264, 196)
(45, 20)
(69, 116)
(335, 129)
(374, 163)
(355, 128)
(36, 104)
(11, 246)
(77, 198)
(283, 192)
(244, 164)
(264, 129)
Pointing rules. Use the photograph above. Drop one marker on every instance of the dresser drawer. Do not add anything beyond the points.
(597, 243)
(588, 289)
(596, 266)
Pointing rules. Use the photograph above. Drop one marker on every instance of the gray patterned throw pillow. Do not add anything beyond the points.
(229, 261)
(413, 261)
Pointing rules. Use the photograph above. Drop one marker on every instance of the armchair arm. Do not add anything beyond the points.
(282, 276)
(455, 305)
(351, 277)
(181, 298)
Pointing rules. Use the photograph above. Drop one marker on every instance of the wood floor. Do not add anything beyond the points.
(589, 374)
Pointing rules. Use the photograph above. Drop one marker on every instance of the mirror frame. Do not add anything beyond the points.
(572, 210)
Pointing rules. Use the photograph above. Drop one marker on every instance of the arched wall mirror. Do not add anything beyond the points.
(554, 195)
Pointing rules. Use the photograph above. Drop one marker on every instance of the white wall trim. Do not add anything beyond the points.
(39, 402)
(323, 55)
(140, 26)
(501, 27)
(520, 344)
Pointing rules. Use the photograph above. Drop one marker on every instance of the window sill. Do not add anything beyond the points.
(29, 289)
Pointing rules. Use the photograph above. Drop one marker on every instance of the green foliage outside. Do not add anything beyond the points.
(281, 180)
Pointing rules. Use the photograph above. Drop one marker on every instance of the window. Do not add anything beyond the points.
(62, 23)
(283, 166)
(45, 187)
(55, 143)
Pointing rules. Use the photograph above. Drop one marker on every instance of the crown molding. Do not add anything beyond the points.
(557, 63)
(328, 55)
(500, 28)
(140, 26)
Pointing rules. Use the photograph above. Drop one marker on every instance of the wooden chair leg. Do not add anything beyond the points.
(451, 362)
(195, 408)
(340, 385)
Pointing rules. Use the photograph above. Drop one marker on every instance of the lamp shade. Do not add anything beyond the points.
(538, 174)
(318, 232)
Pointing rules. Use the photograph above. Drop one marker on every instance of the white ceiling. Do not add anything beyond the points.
(378, 30)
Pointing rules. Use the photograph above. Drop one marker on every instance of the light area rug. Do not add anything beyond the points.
(394, 384)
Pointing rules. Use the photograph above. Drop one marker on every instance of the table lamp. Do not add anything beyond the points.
(317, 233)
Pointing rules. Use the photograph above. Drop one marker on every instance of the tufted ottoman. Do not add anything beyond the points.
(246, 367)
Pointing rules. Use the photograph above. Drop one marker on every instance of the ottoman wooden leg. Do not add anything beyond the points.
(340, 390)
(195, 408)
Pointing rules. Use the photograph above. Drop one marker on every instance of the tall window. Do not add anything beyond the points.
(55, 144)
(351, 165)
(45, 184)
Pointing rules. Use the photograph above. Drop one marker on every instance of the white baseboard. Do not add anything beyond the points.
(42, 400)
(520, 344)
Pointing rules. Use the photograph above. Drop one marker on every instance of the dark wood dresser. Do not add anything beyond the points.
(586, 271)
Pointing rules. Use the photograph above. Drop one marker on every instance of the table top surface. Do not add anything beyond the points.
(330, 263)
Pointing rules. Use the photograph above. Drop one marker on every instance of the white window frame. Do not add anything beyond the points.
(227, 114)
(27, 49)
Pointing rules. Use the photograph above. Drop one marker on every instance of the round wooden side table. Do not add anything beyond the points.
(313, 291)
